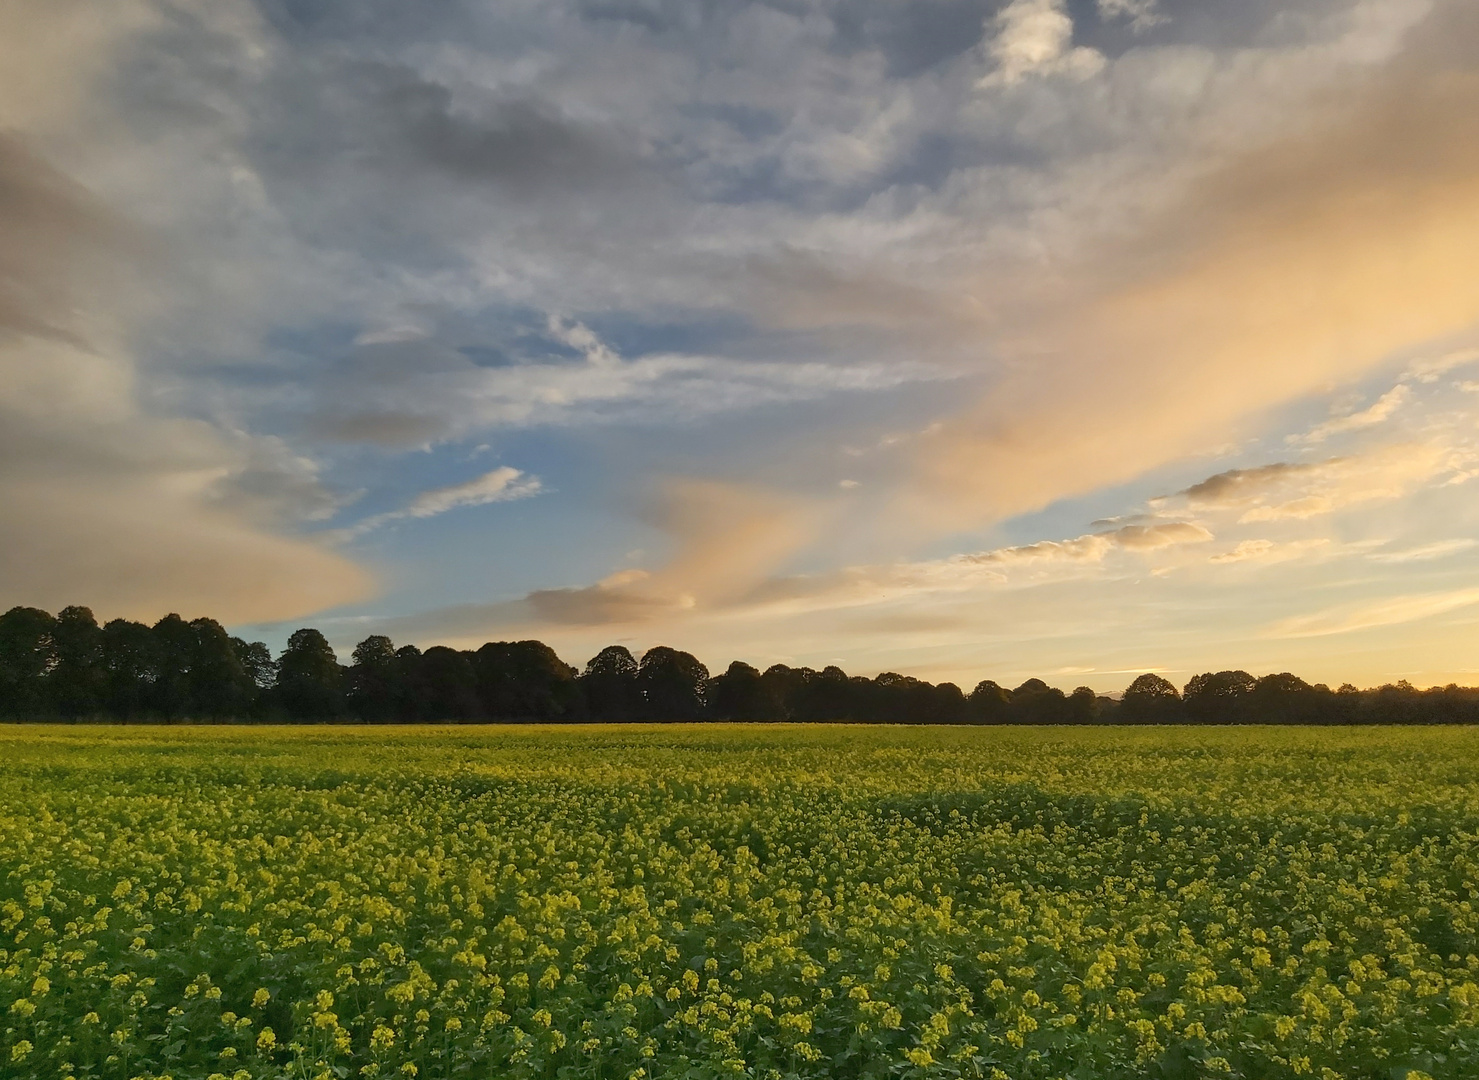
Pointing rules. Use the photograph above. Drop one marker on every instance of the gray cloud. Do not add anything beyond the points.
(354, 120)
(1238, 486)
(54, 238)
(105, 503)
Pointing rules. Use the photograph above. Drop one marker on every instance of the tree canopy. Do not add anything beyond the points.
(67, 667)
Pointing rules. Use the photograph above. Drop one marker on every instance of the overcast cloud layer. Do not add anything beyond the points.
(1049, 337)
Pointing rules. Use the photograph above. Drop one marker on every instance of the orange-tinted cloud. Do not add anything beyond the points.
(1298, 265)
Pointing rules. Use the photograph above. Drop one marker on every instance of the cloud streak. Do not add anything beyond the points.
(1395, 611)
(1379, 412)
(503, 484)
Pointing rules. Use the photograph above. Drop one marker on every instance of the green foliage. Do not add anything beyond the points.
(738, 901)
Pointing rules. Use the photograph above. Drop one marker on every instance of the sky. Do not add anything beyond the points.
(1056, 338)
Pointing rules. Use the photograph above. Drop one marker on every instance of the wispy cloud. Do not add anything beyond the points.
(1425, 552)
(502, 484)
(1300, 490)
(1430, 369)
(1092, 547)
(1379, 412)
(400, 405)
(1390, 612)
(1268, 551)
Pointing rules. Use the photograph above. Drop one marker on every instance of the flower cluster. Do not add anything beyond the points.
(767, 902)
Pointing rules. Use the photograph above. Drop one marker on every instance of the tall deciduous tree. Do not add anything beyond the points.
(525, 680)
(78, 682)
(1220, 697)
(742, 694)
(130, 660)
(449, 686)
(1151, 699)
(27, 657)
(372, 683)
(309, 681)
(609, 684)
(672, 684)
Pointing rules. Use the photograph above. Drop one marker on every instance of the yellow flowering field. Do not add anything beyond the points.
(738, 901)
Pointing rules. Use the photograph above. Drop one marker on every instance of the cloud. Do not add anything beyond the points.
(1384, 473)
(105, 503)
(1378, 413)
(1246, 549)
(304, 231)
(731, 539)
(1269, 551)
(1430, 369)
(500, 485)
(1279, 269)
(1369, 616)
(1298, 490)
(1094, 546)
(1425, 552)
(727, 540)
(424, 393)
(1142, 14)
(1239, 486)
(1035, 37)
(503, 484)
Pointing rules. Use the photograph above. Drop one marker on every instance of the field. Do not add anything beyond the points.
(654, 902)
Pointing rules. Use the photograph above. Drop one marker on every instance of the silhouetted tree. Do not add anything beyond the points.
(68, 667)
(741, 694)
(449, 686)
(1285, 699)
(672, 685)
(174, 649)
(785, 686)
(371, 689)
(130, 662)
(27, 656)
(219, 685)
(1082, 706)
(525, 680)
(77, 679)
(826, 696)
(255, 659)
(1218, 698)
(989, 703)
(947, 705)
(309, 681)
(1035, 702)
(609, 684)
(1151, 699)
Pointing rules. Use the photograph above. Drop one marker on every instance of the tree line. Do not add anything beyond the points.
(67, 667)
